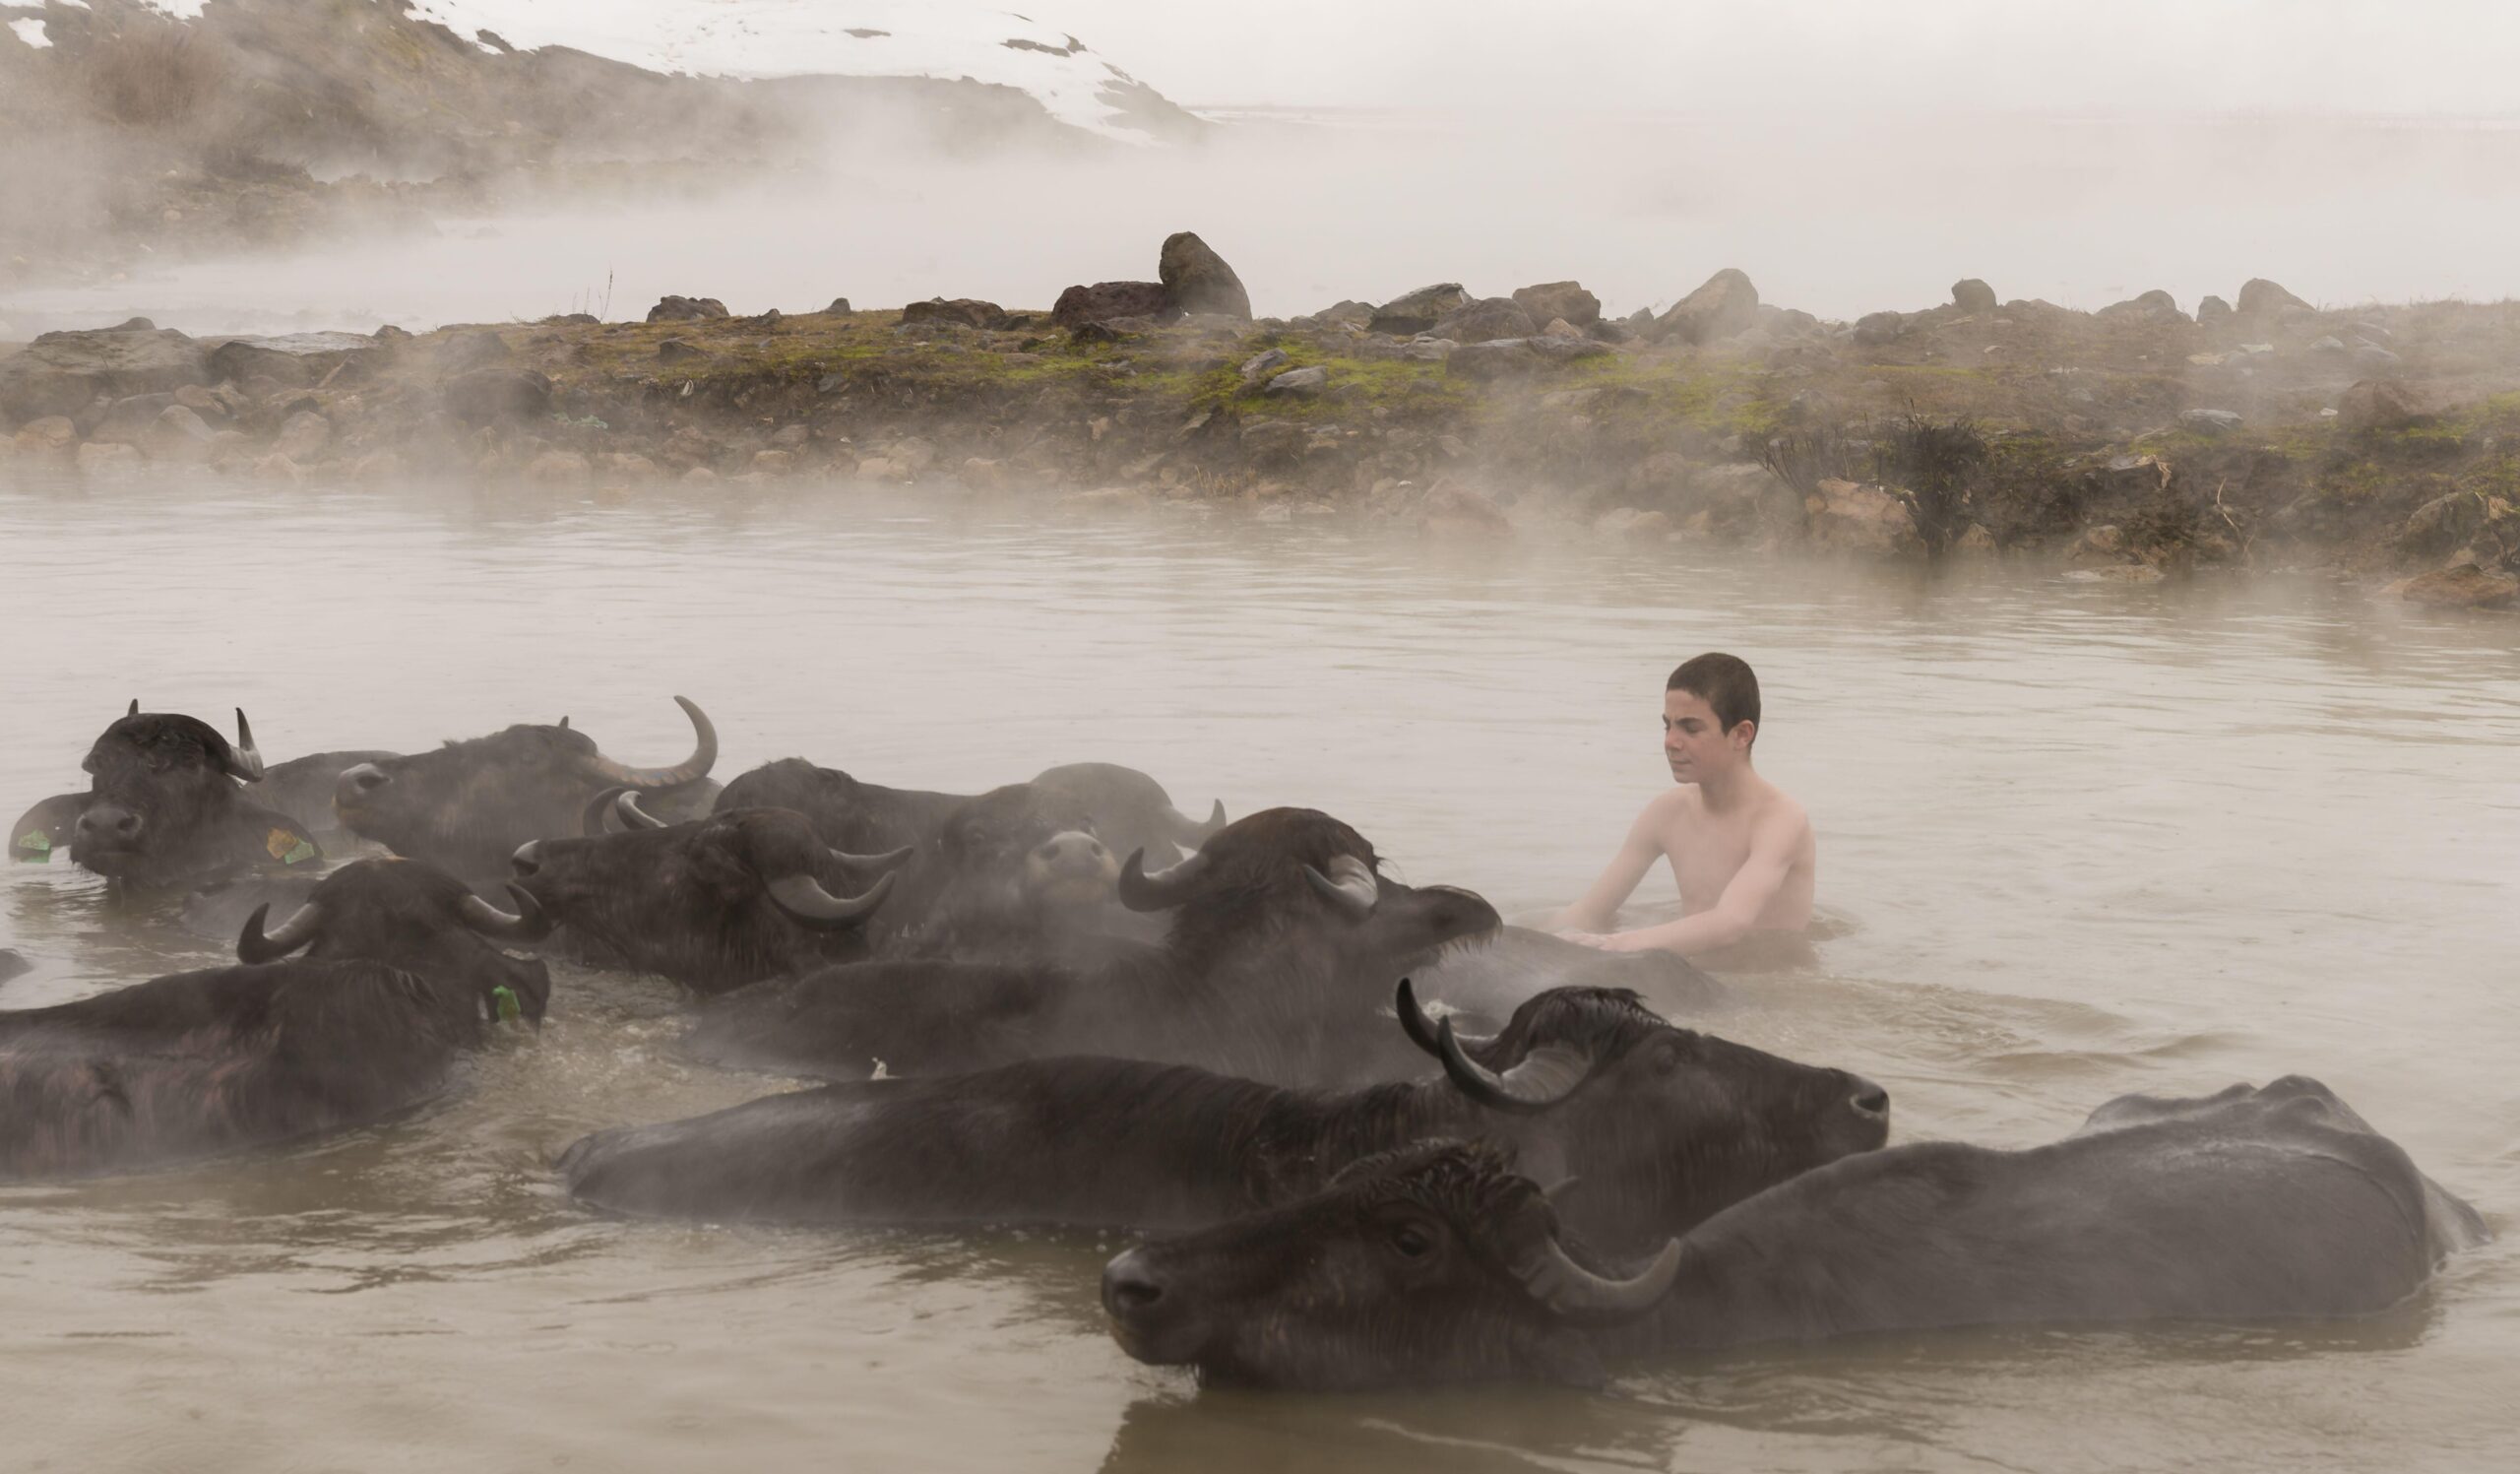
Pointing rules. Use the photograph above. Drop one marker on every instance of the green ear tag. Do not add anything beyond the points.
(305, 851)
(35, 842)
(505, 997)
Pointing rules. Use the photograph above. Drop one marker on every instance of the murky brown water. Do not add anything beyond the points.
(2083, 838)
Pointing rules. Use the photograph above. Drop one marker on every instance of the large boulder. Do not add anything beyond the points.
(1104, 300)
(1560, 300)
(1497, 359)
(1487, 320)
(1414, 312)
(2155, 306)
(2378, 405)
(1725, 305)
(62, 373)
(2443, 524)
(1973, 296)
(686, 309)
(486, 396)
(967, 313)
(1850, 517)
(1197, 279)
(295, 359)
(1874, 329)
(2463, 586)
(2260, 297)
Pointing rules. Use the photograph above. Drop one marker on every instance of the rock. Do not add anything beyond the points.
(1107, 332)
(104, 457)
(303, 436)
(1609, 331)
(488, 395)
(1414, 312)
(839, 307)
(1876, 328)
(1976, 539)
(559, 468)
(625, 466)
(1262, 364)
(1560, 299)
(1104, 300)
(1455, 511)
(277, 468)
(677, 351)
(1850, 517)
(967, 313)
(2155, 306)
(1485, 321)
(471, 349)
(1497, 359)
(2371, 405)
(2462, 586)
(699, 475)
(882, 468)
(389, 334)
(62, 373)
(1272, 442)
(295, 359)
(228, 448)
(1725, 305)
(2213, 310)
(50, 435)
(2442, 524)
(2210, 421)
(2260, 297)
(1350, 312)
(774, 462)
(983, 475)
(1973, 296)
(1429, 349)
(178, 434)
(571, 320)
(2372, 359)
(1197, 280)
(1300, 383)
(1557, 348)
(792, 437)
(2329, 346)
(128, 421)
(686, 309)
(2102, 542)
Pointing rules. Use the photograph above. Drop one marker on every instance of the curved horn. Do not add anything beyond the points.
(1349, 886)
(254, 946)
(856, 865)
(1191, 833)
(529, 923)
(632, 816)
(691, 769)
(590, 818)
(1165, 888)
(243, 762)
(1547, 1075)
(807, 904)
(1569, 1289)
(1414, 1022)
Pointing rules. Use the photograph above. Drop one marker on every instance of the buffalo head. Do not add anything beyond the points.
(415, 917)
(166, 804)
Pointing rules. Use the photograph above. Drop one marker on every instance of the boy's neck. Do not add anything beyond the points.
(1728, 790)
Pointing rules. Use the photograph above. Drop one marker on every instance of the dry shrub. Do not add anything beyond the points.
(153, 75)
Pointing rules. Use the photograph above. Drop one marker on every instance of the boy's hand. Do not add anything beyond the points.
(1602, 940)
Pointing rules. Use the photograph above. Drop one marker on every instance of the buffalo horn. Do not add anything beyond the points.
(529, 923)
(1547, 1074)
(135, 707)
(1350, 885)
(857, 866)
(1168, 887)
(807, 904)
(1414, 1020)
(590, 818)
(242, 761)
(1569, 1289)
(632, 816)
(648, 780)
(1191, 833)
(253, 944)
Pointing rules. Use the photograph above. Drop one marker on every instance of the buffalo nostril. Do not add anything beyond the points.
(1870, 1099)
(1128, 1287)
(369, 783)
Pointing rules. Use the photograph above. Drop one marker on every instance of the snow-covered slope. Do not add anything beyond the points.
(766, 38)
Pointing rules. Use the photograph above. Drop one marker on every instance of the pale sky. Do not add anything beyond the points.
(1792, 55)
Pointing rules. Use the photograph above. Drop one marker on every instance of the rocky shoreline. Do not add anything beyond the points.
(2134, 442)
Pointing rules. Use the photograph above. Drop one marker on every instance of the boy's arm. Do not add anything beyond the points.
(1636, 855)
(1773, 846)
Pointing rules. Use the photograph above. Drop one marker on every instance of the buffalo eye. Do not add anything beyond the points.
(1411, 1241)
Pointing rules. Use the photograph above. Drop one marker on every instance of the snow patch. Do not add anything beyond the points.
(764, 38)
(181, 10)
(32, 33)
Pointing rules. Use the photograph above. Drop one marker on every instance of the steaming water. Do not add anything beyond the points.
(2081, 838)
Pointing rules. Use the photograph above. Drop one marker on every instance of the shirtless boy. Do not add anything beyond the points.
(1741, 849)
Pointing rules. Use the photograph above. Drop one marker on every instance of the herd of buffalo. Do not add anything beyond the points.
(1386, 1138)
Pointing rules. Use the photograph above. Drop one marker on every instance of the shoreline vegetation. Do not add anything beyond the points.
(2138, 441)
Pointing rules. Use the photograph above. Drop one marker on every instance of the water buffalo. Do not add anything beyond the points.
(466, 806)
(1658, 1126)
(713, 903)
(1124, 808)
(1441, 1264)
(400, 977)
(1281, 943)
(167, 806)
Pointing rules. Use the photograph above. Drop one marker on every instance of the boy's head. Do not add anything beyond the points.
(1710, 716)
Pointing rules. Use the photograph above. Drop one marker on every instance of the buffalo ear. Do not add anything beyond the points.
(1561, 1354)
(282, 840)
(47, 827)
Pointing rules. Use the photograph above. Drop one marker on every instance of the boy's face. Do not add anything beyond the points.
(1695, 742)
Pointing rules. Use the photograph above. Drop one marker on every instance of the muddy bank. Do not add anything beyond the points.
(2135, 442)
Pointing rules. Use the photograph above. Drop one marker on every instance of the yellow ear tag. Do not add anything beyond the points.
(289, 847)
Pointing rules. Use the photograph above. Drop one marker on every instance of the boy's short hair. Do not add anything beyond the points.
(1723, 682)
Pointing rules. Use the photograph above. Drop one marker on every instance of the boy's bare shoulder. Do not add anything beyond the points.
(1785, 812)
(1678, 802)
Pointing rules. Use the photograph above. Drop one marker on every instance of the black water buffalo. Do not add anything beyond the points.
(1282, 944)
(11, 965)
(400, 977)
(169, 804)
(715, 903)
(466, 806)
(1657, 1127)
(1124, 808)
(1441, 1264)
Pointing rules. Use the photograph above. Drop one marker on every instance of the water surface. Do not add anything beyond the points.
(2080, 839)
